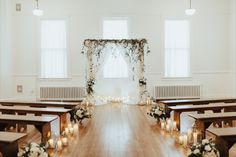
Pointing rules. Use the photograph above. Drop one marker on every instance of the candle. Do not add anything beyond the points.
(168, 121)
(174, 125)
(167, 127)
(87, 103)
(69, 125)
(185, 140)
(180, 139)
(189, 134)
(51, 143)
(64, 141)
(66, 131)
(195, 138)
(76, 128)
(162, 125)
(71, 130)
(222, 124)
(59, 145)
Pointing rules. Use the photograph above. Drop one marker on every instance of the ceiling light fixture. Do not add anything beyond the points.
(37, 11)
(190, 11)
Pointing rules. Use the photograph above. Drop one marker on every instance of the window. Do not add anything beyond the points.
(53, 49)
(177, 48)
(115, 66)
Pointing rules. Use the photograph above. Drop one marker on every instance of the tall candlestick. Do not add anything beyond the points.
(195, 138)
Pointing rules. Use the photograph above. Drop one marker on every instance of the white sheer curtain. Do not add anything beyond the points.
(53, 49)
(177, 48)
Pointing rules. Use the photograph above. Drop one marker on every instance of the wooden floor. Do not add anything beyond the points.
(118, 130)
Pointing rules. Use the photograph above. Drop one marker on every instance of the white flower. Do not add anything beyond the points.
(205, 141)
(207, 148)
(79, 113)
(196, 151)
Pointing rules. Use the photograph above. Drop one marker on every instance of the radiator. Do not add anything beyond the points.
(177, 91)
(61, 93)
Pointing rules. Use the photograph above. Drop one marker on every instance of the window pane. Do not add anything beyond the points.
(115, 66)
(53, 49)
(177, 48)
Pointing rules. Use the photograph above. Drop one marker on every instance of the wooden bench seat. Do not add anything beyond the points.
(224, 138)
(42, 123)
(61, 112)
(197, 101)
(200, 108)
(9, 143)
(203, 121)
(39, 103)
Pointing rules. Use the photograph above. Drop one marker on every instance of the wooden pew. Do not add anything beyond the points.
(9, 143)
(223, 137)
(39, 103)
(42, 123)
(203, 121)
(200, 108)
(22, 110)
(197, 101)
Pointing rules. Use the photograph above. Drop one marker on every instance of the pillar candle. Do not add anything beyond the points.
(180, 139)
(167, 127)
(189, 134)
(174, 125)
(51, 143)
(76, 128)
(162, 125)
(59, 145)
(64, 141)
(66, 131)
(195, 138)
(185, 140)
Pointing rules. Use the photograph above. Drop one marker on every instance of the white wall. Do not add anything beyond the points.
(211, 52)
(5, 49)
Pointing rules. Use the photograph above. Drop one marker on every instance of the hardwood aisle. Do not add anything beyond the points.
(117, 130)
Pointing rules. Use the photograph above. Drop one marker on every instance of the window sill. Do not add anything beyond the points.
(177, 78)
(55, 79)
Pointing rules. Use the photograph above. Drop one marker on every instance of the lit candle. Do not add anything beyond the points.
(66, 131)
(51, 143)
(222, 124)
(87, 103)
(190, 134)
(185, 140)
(59, 145)
(64, 141)
(71, 130)
(162, 125)
(174, 125)
(195, 138)
(180, 139)
(69, 125)
(167, 127)
(76, 128)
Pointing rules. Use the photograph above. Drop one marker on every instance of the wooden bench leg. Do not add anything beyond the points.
(21, 127)
(63, 122)
(177, 119)
(9, 150)
(45, 131)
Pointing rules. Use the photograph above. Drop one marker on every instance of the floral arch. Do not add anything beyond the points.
(132, 50)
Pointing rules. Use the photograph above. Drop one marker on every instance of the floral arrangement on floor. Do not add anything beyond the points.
(33, 150)
(79, 113)
(206, 148)
(157, 112)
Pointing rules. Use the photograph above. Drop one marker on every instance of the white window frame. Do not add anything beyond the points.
(67, 50)
(164, 77)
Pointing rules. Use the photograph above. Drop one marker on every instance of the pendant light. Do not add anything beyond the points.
(190, 11)
(37, 11)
